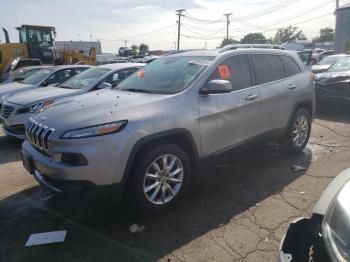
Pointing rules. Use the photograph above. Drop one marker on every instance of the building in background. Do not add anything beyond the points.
(342, 29)
(79, 45)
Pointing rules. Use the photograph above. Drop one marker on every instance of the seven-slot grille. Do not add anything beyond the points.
(6, 111)
(38, 135)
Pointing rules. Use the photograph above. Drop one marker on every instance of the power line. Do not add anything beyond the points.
(287, 18)
(214, 33)
(133, 36)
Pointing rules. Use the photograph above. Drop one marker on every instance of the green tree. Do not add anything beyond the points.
(326, 35)
(228, 42)
(143, 48)
(290, 33)
(134, 48)
(253, 38)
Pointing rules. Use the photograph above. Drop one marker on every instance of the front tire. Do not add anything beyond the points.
(298, 132)
(161, 177)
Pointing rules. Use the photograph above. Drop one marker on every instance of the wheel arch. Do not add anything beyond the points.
(306, 104)
(179, 137)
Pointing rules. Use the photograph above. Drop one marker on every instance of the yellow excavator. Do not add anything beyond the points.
(37, 46)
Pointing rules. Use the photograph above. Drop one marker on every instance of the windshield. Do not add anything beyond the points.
(22, 74)
(330, 60)
(167, 75)
(340, 66)
(85, 78)
(37, 77)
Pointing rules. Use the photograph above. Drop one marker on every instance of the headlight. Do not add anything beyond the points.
(34, 107)
(99, 130)
(336, 226)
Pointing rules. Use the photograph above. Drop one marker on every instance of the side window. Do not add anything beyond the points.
(60, 76)
(235, 69)
(268, 68)
(78, 70)
(119, 76)
(290, 66)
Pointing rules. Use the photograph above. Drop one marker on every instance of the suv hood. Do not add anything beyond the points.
(41, 94)
(332, 77)
(319, 68)
(99, 107)
(11, 88)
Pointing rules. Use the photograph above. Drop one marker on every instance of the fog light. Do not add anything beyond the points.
(74, 159)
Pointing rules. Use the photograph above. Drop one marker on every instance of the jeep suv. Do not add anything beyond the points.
(150, 134)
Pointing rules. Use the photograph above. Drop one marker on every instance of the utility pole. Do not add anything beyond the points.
(336, 3)
(125, 42)
(179, 14)
(227, 23)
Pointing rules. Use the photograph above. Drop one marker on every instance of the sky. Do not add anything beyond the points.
(153, 22)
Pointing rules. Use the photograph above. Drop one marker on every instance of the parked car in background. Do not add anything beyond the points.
(325, 236)
(50, 75)
(332, 87)
(148, 135)
(326, 63)
(22, 73)
(319, 54)
(17, 108)
(17, 64)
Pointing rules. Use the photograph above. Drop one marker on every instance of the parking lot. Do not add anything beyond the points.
(238, 208)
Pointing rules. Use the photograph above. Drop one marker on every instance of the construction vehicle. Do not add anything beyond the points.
(37, 43)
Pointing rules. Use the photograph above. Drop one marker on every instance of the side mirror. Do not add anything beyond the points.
(44, 84)
(104, 85)
(217, 86)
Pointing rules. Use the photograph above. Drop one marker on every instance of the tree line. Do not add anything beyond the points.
(283, 35)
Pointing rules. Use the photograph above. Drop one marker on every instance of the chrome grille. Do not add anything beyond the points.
(6, 111)
(38, 135)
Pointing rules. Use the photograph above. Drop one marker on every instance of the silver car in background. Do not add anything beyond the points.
(50, 75)
(22, 73)
(148, 136)
(17, 108)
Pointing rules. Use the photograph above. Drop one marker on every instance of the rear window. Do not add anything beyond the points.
(268, 68)
(290, 66)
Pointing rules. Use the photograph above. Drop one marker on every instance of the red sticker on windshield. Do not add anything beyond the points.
(141, 73)
(224, 72)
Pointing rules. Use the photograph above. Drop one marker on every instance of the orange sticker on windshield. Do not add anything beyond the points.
(141, 73)
(224, 72)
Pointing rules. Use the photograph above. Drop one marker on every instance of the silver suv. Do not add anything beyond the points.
(150, 134)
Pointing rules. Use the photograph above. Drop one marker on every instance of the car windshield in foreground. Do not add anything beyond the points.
(85, 78)
(330, 60)
(168, 75)
(37, 77)
(340, 66)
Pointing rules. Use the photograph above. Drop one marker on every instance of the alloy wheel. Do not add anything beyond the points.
(300, 130)
(163, 179)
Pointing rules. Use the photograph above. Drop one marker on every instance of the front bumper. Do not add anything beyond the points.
(106, 157)
(13, 125)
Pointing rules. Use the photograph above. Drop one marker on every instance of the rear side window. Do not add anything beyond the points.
(268, 68)
(235, 69)
(290, 66)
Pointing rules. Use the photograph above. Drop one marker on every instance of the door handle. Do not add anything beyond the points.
(291, 87)
(251, 97)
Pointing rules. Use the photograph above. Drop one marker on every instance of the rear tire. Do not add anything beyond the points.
(298, 132)
(161, 178)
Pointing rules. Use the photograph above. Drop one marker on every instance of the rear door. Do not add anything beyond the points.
(229, 119)
(274, 86)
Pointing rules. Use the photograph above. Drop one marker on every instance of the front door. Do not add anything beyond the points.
(229, 119)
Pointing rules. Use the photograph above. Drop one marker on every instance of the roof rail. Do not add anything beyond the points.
(238, 46)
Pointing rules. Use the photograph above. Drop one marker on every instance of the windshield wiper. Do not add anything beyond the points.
(66, 87)
(138, 90)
